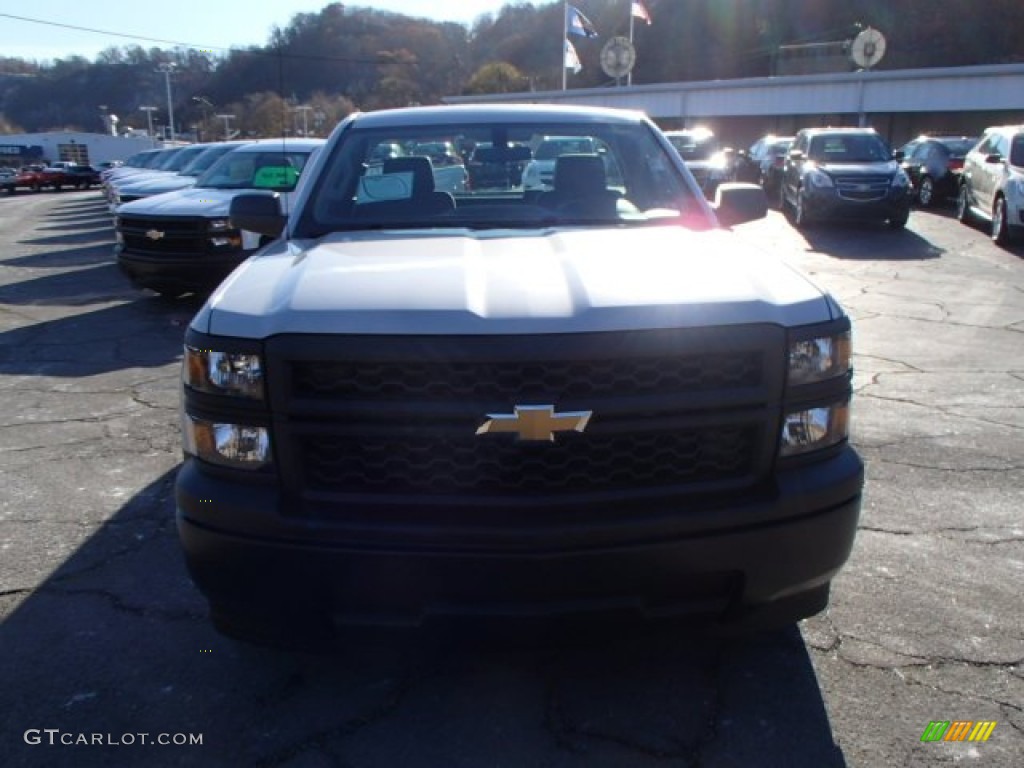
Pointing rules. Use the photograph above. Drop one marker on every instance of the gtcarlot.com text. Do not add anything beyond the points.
(56, 737)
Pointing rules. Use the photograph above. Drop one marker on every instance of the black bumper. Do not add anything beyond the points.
(827, 204)
(720, 560)
(169, 272)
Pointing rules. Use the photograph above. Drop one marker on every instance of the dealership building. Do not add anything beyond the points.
(900, 104)
(18, 149)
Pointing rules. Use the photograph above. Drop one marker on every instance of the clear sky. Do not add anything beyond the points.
(203, 23)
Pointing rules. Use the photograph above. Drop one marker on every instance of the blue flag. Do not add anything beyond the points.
(577, 23)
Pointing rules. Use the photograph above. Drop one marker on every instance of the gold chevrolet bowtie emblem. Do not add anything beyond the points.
(535, 422)
(154, 234)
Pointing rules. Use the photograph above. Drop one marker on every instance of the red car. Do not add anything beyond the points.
(35, 177)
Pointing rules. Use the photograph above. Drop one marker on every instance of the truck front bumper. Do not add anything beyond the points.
(168, 273)
(776, 550)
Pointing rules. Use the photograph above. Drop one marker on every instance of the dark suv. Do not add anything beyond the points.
(844, 173)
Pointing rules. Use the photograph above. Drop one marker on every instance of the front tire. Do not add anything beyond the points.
(1000, 229)
(963, 205)
(801, 218)
(926, 192)
(899, 222)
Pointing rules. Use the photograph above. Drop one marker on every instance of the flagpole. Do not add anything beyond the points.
(565, 36)
(629, 75)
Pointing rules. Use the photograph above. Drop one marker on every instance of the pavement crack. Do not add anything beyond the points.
(569, 737)
(969, 695)
(321, 739)
(1014, 534)
(75, 420)
(16, 591)
(955, 470)
(120, 605)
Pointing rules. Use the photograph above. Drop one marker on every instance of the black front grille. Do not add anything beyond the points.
(505, 379)
(863, 188)
(687, 409)
(164, 235)
(497, 464)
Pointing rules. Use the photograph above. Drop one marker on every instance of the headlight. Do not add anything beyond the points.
(230, 445)
(819, 179)
(233, 241)
(812, 429)
(224, 373)
(819, 358)
(218, 225)
(901, 179)
(719, 161)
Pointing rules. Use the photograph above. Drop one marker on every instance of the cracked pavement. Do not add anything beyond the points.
(102, 631)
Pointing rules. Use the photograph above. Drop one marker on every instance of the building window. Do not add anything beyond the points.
(74, 153)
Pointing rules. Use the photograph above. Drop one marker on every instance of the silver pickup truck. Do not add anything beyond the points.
(589, 401)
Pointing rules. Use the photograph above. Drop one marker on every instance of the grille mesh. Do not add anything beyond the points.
(504, 380)
(497, 463)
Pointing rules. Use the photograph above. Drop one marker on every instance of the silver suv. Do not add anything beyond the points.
(992, 187)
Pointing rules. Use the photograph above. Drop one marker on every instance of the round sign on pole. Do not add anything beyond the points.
(618, 57)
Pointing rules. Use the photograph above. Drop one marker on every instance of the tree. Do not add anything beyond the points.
(6, 126)
(497, 77)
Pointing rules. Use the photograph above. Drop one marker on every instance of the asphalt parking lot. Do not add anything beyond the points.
(102, 634)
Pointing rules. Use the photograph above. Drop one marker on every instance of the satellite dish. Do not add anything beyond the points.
(867, 48)
(618, 57)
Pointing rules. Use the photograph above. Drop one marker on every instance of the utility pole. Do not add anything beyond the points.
(149, 120)
(227, 126)
(168, 70)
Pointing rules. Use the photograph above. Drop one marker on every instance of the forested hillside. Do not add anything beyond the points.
(348, 57)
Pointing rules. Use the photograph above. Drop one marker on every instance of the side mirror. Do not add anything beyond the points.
(995, 158)
(737, 203)
(898, 155)
(796, 154)
(258, 213)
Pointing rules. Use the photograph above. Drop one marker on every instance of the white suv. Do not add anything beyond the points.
(992, 187)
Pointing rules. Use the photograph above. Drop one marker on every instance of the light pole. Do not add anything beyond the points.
(227, 126)
(168, 70)
(206, 106)
(149, 120)
(305, 125)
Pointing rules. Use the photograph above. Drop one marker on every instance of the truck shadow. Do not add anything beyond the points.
(64, 257)
(116, 640)
(868, 242)
(129, 330)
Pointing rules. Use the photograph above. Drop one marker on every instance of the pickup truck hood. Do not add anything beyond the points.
(459, 281)
(193, 201)
(155, 186)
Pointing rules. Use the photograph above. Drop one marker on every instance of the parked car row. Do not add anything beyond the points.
(39, 177)
(182, 240)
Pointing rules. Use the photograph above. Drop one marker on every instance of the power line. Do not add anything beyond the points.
(277, 53)
(48, 23)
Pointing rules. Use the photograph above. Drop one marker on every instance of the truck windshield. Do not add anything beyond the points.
(523, 176)
(240, 169)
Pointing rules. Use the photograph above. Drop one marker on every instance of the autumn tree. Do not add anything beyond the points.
(497, 77)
